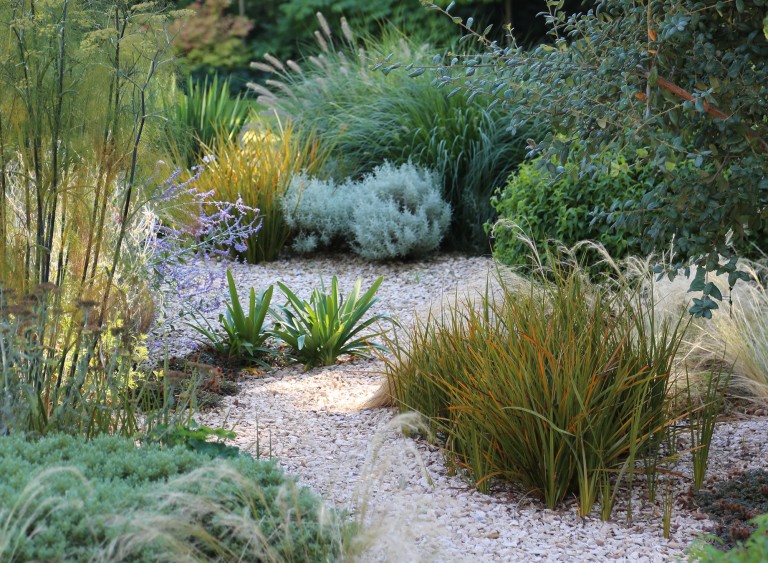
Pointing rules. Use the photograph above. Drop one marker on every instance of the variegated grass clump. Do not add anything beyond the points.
(256, 169)
(560, 385)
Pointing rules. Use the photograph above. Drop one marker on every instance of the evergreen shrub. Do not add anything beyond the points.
(560, 202)
(65, 499)
(370, 118)
(393, 212)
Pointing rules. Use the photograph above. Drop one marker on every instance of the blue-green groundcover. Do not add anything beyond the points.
(116, 500)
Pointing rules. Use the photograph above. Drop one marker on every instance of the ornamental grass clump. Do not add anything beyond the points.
(200, 115)
(257, 168)
(372, 118)
(559, 385)
(735, 338)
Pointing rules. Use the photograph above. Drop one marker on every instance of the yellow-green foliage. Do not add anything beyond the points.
(79, 86)
(558, 385)
(257, 168)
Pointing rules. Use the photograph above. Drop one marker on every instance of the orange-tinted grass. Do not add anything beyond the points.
(560, 386)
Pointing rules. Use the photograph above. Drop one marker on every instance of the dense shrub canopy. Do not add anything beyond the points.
(681, 84)
(561, 206)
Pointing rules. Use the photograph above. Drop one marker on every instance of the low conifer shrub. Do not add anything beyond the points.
(64, 499)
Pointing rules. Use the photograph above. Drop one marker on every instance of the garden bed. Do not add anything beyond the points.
(315, 425)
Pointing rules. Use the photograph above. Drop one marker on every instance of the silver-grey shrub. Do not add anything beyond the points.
(398, 212)
(393, 212)
(317, 212)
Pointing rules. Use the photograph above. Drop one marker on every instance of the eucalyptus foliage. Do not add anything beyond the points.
(680, 85)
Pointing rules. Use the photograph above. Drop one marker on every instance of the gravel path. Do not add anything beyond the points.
(415, 509)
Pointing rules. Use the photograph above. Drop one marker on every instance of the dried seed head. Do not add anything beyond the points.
(318, 62)
(293, 66)
(274, 61)
(321, 41)
(346, 30)
(86, 303)
(260, 90)
(263, 67)
(19, 310)
(324, 24)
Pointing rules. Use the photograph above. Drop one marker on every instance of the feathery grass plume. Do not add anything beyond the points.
(324, 24)
(274, 61)
(216, 513)
(263, 67)
(734, 339)
(396, 526)
(346, 31)
(26, 518)
(293, 66)
(373, 117)
(560, 385)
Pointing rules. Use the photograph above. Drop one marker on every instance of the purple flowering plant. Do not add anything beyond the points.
(178, 238)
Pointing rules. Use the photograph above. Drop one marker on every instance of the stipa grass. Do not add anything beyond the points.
(560, 386)
(116, 502)
(736, 336)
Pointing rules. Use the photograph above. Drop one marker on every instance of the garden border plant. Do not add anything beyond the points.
(107, 499)
(316, 331)
(560, 385)
(371, 118)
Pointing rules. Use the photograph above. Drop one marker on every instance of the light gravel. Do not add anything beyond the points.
(414, 508)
